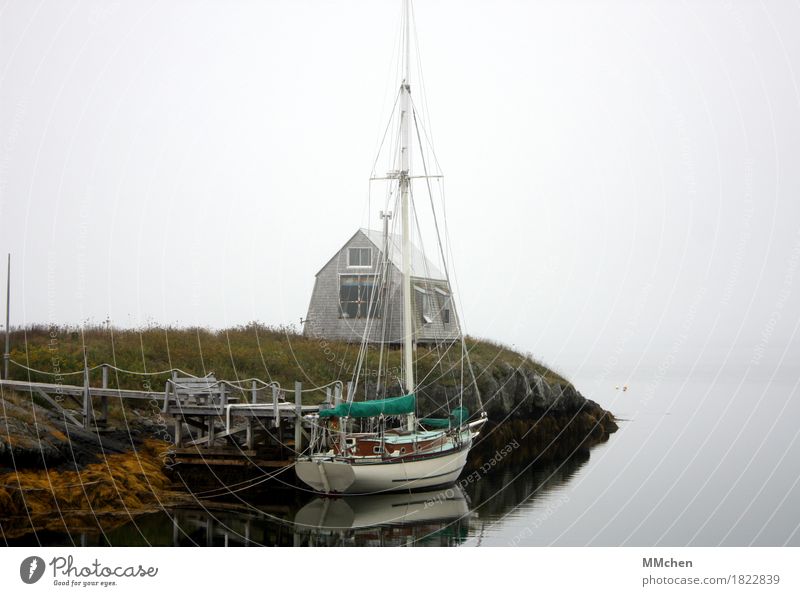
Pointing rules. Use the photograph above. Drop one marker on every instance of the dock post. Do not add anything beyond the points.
(275, 412)
(337, 395)
(249, 434)
(350, 391)
(328, 395)
(175, 531)
(223, 397)
(87, 405)
(298, 416)
(254, 393)
(104, 398)
(212, 431)
(178, 431)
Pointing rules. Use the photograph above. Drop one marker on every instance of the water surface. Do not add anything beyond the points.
(694, 463)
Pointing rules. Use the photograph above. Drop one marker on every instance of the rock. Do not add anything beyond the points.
(34, 437)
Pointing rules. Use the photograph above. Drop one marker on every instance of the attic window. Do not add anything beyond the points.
(359, 257)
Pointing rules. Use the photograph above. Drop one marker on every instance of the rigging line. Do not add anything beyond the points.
(392, 75)
(384, 291)
(382, 276)
(362, 353)
(446, 368)
(465, 351)
(425, 264)
(440, 361)
(428, 139)
(433, 211)
(368, 325)
(250, 483)
(203, 493)
(437, 363)
(444, 260)
(433, 208)
(423, 87)
(385, 132)
(260, 353)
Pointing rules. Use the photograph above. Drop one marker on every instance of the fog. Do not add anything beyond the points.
(621, 177)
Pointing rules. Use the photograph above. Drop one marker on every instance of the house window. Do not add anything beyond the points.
(359, 257)
(423, 305)
(444, 306)
(356, 296)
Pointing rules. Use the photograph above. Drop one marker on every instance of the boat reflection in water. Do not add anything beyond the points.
(436, 518)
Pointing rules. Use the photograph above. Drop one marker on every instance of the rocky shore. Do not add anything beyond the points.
(55, 476)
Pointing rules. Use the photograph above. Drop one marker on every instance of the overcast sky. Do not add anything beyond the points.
(623, 187)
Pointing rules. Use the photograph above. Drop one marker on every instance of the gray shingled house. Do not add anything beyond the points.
(346, 289)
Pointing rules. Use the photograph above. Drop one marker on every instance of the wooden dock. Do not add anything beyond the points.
(211, 422)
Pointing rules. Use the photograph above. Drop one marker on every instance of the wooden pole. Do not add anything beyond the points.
(6, 354)
(298, 416)
(275, 413)
(104, 399)
(175, 530)
(249, 435)
(87, 406)
(212, 431)
(178, 431)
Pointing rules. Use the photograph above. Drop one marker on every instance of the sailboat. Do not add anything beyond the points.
(378, 444)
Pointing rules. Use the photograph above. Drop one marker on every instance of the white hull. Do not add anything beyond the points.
(328, 475)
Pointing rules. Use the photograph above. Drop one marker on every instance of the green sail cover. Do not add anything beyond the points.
(457, 418)
(436, 422)
(392, 406)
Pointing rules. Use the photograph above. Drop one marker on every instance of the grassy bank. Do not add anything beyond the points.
(248, 351)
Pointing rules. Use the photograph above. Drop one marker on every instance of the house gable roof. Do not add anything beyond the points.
(421, 266)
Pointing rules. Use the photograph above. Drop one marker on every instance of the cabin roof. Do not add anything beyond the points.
(421, 266)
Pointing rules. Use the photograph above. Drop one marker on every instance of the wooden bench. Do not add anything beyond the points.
(197, 391)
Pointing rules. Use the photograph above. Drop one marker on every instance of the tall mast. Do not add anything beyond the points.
(405, 115)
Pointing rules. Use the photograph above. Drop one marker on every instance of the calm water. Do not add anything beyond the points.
(694, 463)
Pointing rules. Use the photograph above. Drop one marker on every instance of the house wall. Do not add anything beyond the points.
(325, 318)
